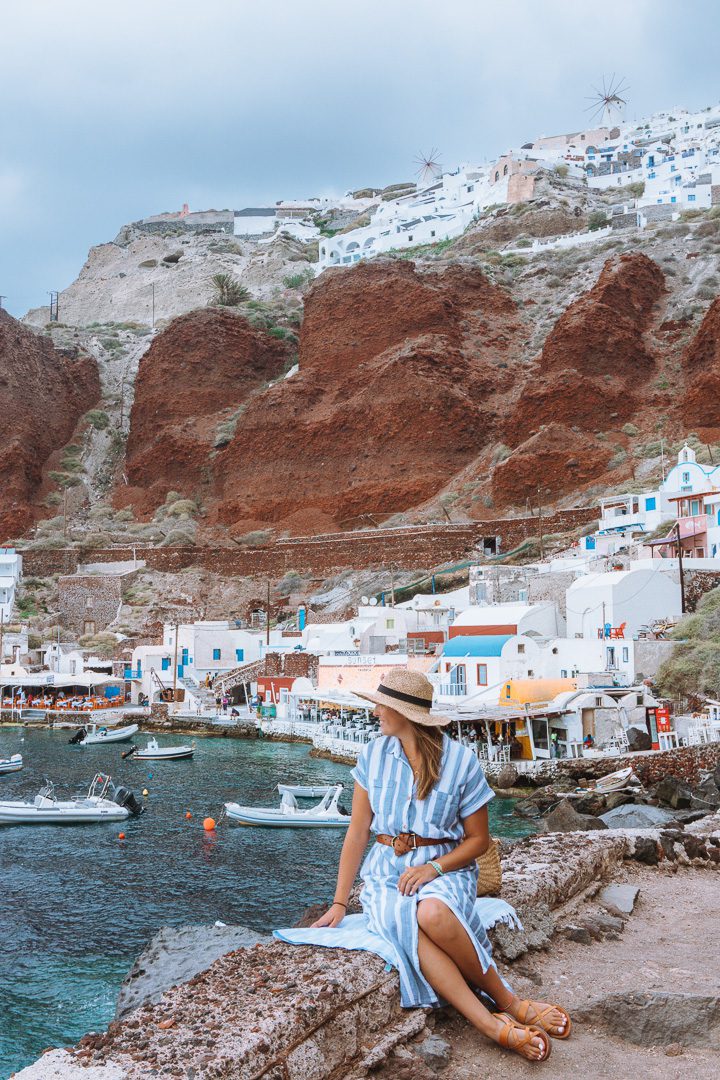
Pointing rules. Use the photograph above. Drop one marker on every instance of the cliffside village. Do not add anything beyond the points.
(671, 158)
(548, 660)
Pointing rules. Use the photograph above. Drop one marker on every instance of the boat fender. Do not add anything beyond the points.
(209, 824)
(145, 792)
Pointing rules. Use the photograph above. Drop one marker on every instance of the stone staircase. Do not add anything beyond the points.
(205, 697)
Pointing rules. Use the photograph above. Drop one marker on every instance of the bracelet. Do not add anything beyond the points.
(339, 903)
(436, 867)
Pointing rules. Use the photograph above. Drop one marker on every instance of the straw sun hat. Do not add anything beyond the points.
(409, 693)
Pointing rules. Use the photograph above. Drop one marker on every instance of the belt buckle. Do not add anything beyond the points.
(414, 837)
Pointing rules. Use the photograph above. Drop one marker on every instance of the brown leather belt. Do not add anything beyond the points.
(409, 841)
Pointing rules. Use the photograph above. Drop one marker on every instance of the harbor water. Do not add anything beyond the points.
(77, 904)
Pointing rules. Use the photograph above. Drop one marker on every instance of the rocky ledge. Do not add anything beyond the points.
(277, 1012)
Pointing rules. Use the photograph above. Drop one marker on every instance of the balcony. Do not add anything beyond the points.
(452, 690)
(132, 673)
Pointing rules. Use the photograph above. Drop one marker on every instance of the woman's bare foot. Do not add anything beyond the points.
(513, 1036)
(539, 1014)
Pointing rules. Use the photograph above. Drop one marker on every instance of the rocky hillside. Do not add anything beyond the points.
(473, 379)
(44, 393)
(192, 387)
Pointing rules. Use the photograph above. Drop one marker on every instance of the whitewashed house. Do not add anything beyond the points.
(542, 619)
(10, 573)
(621, 600)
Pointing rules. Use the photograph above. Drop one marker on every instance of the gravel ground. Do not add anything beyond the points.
(665, 947)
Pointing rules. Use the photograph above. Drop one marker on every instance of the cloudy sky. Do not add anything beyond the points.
(116, 109)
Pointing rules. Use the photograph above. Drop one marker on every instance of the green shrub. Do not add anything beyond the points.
(561, 171)
(97, 418)
(630, 429)
(597, 220)
(255, 539)
(228, 292)
(296, 281)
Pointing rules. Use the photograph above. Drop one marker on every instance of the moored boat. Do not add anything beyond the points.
(154, 752)
(103, 802)
(301, 791)
(327, 813)
(98, 735)
(616, 781)
(12, 764)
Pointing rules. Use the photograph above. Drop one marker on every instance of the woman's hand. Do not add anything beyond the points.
(414, 877)
(332, 917)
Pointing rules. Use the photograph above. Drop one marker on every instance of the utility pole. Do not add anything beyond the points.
(392, 586)
(680, 568)
(540, 526)
(65, 491)
(2, 635)
(267, 615)
(153, 304)
(1, 300)
(54, 305)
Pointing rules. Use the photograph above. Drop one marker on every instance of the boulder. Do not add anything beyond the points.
(708, 791)
(592, 803)
(638, 739)
(434, 1051)
(646, 851)
(620, 897)
(630, 816)
(674, 792)
(174, 955)
(507, 777)
(565, 819)
(654, 1018)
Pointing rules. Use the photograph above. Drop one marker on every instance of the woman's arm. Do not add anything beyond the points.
(353, 849)
(475, 842)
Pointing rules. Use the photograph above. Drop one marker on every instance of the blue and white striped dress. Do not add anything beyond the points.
(385, 773)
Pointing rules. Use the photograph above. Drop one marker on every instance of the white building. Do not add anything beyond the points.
(10, 573)
(63, 659)
(203, 649)
(542, 619)
(624, 600)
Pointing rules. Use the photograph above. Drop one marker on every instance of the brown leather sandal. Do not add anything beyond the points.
(537, 1021)
(528, 1034)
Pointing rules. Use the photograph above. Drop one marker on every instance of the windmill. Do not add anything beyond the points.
(429, 167)
(608, 104)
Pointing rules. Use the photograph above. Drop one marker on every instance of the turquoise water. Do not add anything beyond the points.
(77, 905)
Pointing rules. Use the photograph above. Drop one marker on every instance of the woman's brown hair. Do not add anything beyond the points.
(430, 748)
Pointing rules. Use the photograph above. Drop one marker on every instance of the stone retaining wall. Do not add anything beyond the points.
(411, 548)
(686, 763)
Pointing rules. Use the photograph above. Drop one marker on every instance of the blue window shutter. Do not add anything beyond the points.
(216, 654)
(165, 663)
(650, 504)
(239, 654)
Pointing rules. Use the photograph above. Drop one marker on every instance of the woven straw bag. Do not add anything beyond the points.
(489, 871)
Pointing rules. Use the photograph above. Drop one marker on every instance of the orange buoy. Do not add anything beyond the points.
(209, 824)
(121, 836)
(188, 816)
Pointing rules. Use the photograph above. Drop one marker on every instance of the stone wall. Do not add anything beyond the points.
(90, 598)
(293, 665)
(697, 583)
(411, 548)
(686, 763)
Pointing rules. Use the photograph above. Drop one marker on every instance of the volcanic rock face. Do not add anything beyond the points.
(44, 391)
(194, 377)
(589, 376)
(701, 362)
(401, 375)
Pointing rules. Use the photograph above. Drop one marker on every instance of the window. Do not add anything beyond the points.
(409, 239)
(691, 198)
(650, 503)
(694, 507)
(626, 654)
(216, 654)
(482, 674)
(505, 171)
(563, 673)
(389, 624)
(521, 650)
(531, 673)
(165, 663)
(686, 478)
(239, 655)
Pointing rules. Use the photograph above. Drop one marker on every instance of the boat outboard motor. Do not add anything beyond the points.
(129, 752)
(78, 736)
(124, 797)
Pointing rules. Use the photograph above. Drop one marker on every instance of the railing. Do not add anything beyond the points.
(452, 690)
(132, 673)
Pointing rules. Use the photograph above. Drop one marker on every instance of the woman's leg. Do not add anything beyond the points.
(448, 982)
(437, 921)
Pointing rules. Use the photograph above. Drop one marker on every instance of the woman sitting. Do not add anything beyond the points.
(425, 797)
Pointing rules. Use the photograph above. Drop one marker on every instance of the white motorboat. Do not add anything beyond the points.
(11, 764)
(101, 734)
(154, 752)
(103, 802)
(325, 814)
(301, 791)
